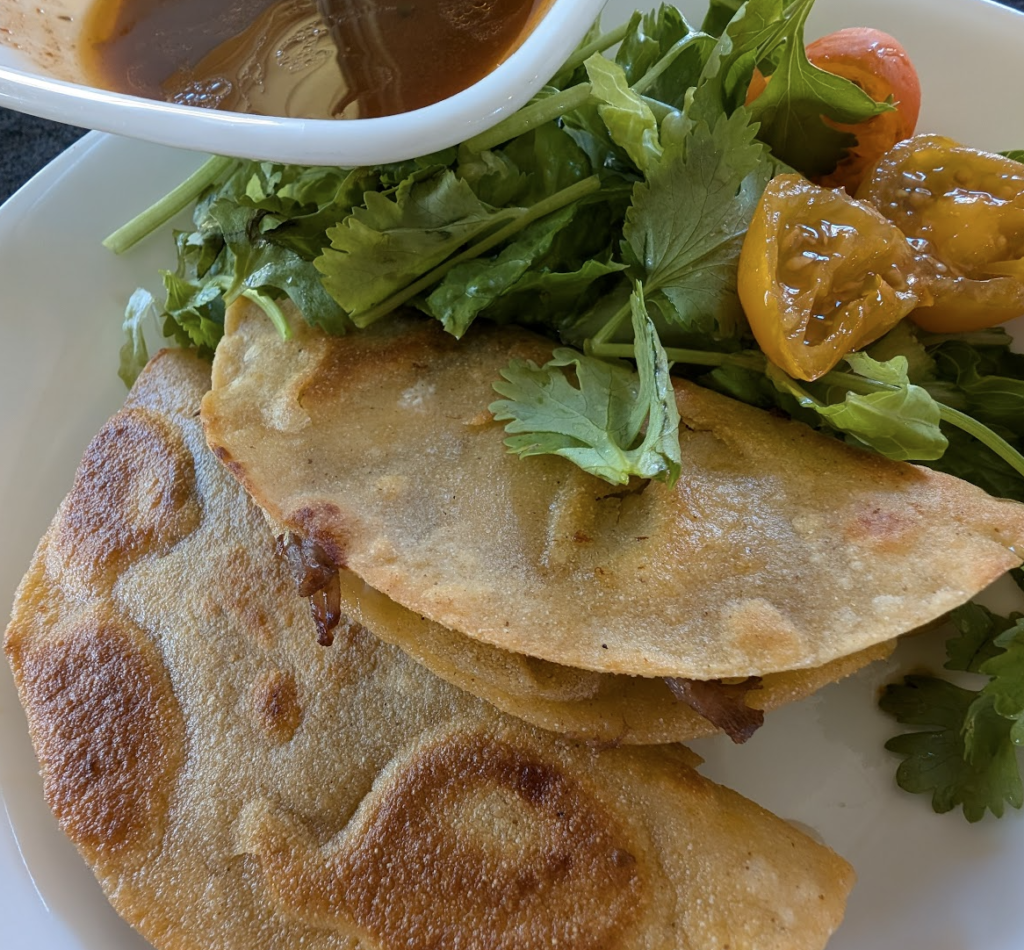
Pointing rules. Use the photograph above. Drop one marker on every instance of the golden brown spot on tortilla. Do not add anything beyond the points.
(341, 367)
(275, 705)
(134, 494)
(883, 528)
(529, 859)
(108, 732)
(756, 624)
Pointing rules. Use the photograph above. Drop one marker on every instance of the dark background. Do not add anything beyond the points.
(28, 143)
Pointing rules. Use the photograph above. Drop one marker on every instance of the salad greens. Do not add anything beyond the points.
(609, 214)
(966, 755)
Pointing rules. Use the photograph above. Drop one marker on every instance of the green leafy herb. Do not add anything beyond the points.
(392, 239)
(1006, 686)
(611, 421)
(967, 756)
(469, 288)
(629, 119)
(134, 356)
(978, 630)
(938, 760)
(900, 421)
(687, 223)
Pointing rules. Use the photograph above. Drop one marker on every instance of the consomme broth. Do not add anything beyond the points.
(301, 58)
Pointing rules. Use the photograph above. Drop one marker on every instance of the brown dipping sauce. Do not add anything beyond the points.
(301, 58)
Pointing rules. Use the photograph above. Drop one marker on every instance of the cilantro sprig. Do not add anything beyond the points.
(965, 754)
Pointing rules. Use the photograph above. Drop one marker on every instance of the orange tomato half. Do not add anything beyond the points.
(879, 64)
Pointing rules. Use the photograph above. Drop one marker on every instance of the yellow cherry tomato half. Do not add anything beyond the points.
(821, 275)
(964, 208)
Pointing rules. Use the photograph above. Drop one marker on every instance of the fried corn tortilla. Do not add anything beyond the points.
(235, 785)
(604, 707)
(778, 549)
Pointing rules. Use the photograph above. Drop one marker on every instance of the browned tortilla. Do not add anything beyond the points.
(779, 548)
(606, 707)
(235, 785)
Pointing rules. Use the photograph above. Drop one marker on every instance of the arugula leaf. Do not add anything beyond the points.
(719, 14)
(1017, 154)
(743, 42)
(900, 423)
(983, 777)
(902, 340)
(629, 119)
(995, 400)
(975, 463)
(799, 95)
(688, 220)
(388, 242)
(472, 287)
(598, 423)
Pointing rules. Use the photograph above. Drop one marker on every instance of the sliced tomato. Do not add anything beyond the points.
(821, 274)
(879, 64)
(964, 208)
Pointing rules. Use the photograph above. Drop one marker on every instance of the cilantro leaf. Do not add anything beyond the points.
(938, 761)
(1006, 686)
(902, 340)
(195, 309)
(392, 239)
(978, 630)
(614, 422)
(688, 219)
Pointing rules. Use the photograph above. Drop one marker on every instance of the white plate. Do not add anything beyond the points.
(925, 880)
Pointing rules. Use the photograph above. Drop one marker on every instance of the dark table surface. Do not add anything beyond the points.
(28, 143)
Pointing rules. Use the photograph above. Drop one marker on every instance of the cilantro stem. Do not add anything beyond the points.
(157, 215)
(603, 42)
(539, 210)
(530, 116)
(751, 361)
(598, 343)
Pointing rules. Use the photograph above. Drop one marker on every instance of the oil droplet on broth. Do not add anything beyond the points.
(301, 58)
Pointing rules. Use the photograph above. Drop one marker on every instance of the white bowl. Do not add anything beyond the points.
(39, 75)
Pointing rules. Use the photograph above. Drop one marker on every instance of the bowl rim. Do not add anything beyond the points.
(315, 141)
